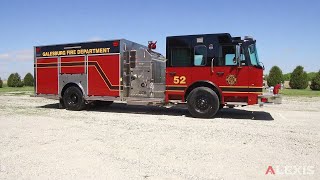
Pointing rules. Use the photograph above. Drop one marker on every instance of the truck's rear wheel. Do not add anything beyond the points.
(73, 99)
(203, 102)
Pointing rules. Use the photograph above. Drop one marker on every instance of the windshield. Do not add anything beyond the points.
(253, 55)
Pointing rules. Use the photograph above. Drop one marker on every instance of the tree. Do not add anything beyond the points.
(14, 80)
(1, 83)
(28, 80)
(275, 76)
(311, 75)
(299, 78)
(315, 82)
(286, 77)
(10, 80)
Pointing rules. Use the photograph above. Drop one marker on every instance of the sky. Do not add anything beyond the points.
(287, 31)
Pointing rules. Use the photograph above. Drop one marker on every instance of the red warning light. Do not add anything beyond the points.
(38, 49)
(152, 45)
(115, 43)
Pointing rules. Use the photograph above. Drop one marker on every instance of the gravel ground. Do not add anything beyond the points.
(40, 141)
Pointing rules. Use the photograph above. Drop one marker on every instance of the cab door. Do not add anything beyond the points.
(231, 74)
(222, 69)
(227, 72)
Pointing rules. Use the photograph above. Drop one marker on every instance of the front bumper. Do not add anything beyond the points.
(269, 98)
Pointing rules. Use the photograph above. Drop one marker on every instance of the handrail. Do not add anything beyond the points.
(212, 65)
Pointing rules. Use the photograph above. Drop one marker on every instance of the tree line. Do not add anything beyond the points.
(298, 78)
(14, 80)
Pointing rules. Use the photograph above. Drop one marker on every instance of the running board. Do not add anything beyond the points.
(237, 103)
(145, 101)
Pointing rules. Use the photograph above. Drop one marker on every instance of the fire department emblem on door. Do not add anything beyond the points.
(231, 79)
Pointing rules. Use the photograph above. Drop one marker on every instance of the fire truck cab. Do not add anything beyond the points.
(205, 71)
(208, 69)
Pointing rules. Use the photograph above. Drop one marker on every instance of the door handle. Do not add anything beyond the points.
(220, 73)
(172, 73)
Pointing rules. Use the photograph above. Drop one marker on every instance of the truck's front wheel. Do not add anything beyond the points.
(73, 99)
(203, 102)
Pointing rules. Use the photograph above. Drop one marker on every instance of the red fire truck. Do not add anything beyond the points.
(206, 72)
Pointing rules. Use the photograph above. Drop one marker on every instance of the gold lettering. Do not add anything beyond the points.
(62, 53)
(71, 52)
(52, 53)
(77, 52)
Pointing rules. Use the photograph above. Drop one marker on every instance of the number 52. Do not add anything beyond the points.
(179, 80)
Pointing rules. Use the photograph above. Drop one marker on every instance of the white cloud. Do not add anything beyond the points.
(17, 56)
(20, 61)
(4, 56)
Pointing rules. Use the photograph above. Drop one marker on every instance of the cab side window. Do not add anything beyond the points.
(200, 55)
(181, 57)
(227, 56)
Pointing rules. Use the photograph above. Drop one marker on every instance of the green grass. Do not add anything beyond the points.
(6, 89)
(300, 92)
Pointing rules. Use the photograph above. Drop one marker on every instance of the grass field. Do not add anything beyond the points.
(300, 92)
(6, 89)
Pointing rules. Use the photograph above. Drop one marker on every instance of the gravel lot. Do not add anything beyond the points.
(40, 141)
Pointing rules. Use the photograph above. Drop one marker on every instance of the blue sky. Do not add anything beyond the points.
(287, 31)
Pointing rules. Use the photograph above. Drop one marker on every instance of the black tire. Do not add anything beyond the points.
(73, 99)
(203, 102)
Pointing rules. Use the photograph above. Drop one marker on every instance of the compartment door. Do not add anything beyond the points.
(104, 75)
(47, 76)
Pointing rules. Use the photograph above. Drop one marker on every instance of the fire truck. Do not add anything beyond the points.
(205, 72)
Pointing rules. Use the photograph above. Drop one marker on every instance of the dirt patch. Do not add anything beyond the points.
(38, 140)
